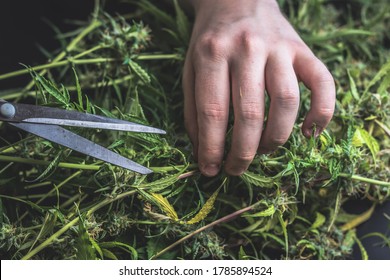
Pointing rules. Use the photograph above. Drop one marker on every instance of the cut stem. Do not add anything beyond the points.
(364, 179)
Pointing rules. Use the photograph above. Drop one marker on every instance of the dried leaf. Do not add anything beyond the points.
(359, 219)
(206, 209)
(165, 206)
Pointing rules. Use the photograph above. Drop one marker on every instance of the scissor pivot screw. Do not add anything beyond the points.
(7, 110)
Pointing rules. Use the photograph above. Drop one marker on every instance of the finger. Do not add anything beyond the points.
(190, 114)
(248, 104)
(283, 90)
(212, 94)
(314, 74)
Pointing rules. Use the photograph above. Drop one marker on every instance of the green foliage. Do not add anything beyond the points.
(58, 204)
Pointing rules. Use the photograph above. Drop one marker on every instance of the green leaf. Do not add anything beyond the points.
(384, 85)
(136, 108)
(264, 213)
(349, 239)
(1, 213)
(182, 23)
(139, 71)
(85, 249)
(120, 245)
(257, 180)
(49, 169)
(78, 88)
(284, 229)
(62, 97)
(385, 69)
(363, 251)
(156, 245)
(108, 254)
(163, 183)
(361, 136)
(242, 255)
(352, 86)
(96, 246)
(47, 227)
(156, 12)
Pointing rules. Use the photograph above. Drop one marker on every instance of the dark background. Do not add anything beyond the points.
(23, 25)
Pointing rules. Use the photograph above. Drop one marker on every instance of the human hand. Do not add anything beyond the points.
(237, 50)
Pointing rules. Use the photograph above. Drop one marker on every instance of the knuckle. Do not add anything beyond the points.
(324, 114)
(244, 157)
(287, 98)
(211, 45)
(250, 42)
(277, 142)
(321, 74)
(213, 112)
(250, 112)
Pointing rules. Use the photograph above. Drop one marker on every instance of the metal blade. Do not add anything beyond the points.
(75, 142)
(127, 126)
(48, 115)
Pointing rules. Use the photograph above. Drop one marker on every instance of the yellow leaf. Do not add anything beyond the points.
(358, 220)
(206, 209)
(319, 221)
(165, 206)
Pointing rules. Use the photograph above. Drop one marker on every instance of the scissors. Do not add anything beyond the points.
(46, 122)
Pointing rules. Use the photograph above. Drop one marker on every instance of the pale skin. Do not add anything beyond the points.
(239, 49)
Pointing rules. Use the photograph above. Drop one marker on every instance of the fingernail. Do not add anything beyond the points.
(211, 169)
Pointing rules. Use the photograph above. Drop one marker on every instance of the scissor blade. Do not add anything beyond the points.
(126, 126)
(75, 142)
(48, 115)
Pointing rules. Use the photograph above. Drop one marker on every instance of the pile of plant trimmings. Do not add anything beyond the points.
(59, 204)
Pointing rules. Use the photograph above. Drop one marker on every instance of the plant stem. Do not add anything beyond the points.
(158, 56)
(364, 179)
(55, 65)
(51, 239)
(172, 168)
(219, 221)
(107, 201)
(74, 60)
(73, 222)
(56, 188)
(44, 162)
